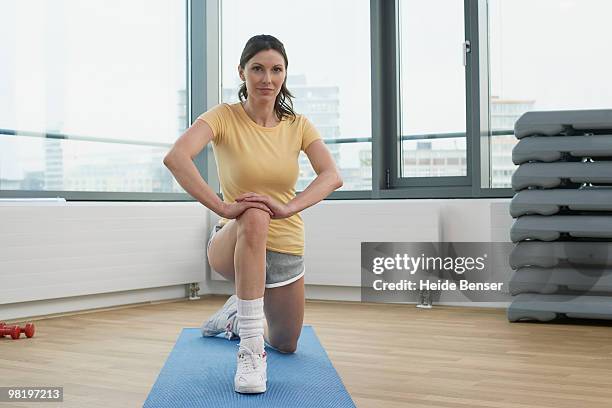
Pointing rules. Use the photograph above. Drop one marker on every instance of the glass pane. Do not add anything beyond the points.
(432, 88)
(544, 55)
(96, 71)
(68, 165)
(359, 173)
(333, 95)
(435, 157)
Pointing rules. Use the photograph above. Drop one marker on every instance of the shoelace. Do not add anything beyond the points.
(228, 327)
(228, 331)
(247, 360)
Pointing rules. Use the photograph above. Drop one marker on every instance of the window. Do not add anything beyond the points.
(544, 55)
(93, 94)
(328, 46)
(432, 88)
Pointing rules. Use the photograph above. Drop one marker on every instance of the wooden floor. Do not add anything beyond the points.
(387, 355)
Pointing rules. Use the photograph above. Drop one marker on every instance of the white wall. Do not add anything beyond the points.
(86, 255)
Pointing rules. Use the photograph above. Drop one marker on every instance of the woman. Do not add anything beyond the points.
(259, 241)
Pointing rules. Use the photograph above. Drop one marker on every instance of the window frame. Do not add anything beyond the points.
(203, 38)
(385, 87)
(392, 168)
(385, 97)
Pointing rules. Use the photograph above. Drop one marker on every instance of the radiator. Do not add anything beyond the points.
(63, 249)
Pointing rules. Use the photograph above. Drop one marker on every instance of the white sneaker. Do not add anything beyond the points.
(224, 320)
(251, 372)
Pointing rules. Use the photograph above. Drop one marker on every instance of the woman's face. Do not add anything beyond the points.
(264, 75)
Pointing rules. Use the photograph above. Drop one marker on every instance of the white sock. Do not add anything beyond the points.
(250, 318)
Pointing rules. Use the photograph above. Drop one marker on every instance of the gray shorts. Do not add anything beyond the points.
(281, 269)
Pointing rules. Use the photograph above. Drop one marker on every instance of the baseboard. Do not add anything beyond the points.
(37, 310)
(45, 309)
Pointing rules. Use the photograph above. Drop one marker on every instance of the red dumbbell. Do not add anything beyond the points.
(5, 326)
(12, 331)
(29, 330)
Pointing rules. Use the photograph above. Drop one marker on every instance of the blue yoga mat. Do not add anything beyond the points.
(200, 373)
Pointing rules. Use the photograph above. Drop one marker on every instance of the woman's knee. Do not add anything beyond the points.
(286, 343)
(286, 347)
(253, 224)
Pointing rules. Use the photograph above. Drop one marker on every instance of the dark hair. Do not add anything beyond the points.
(283, 106)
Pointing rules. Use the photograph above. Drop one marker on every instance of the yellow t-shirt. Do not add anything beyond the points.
(264, 160)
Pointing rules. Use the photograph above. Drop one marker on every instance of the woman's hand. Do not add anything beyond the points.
(279, 210)
(234, 210)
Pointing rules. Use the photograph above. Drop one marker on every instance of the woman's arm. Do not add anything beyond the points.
(179, 161)
(328, 178)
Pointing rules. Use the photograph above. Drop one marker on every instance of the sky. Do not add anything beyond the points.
(327, 41)
(109, 70)
(113, 69)
(556, 52)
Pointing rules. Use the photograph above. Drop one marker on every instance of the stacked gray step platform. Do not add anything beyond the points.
(563, 216)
